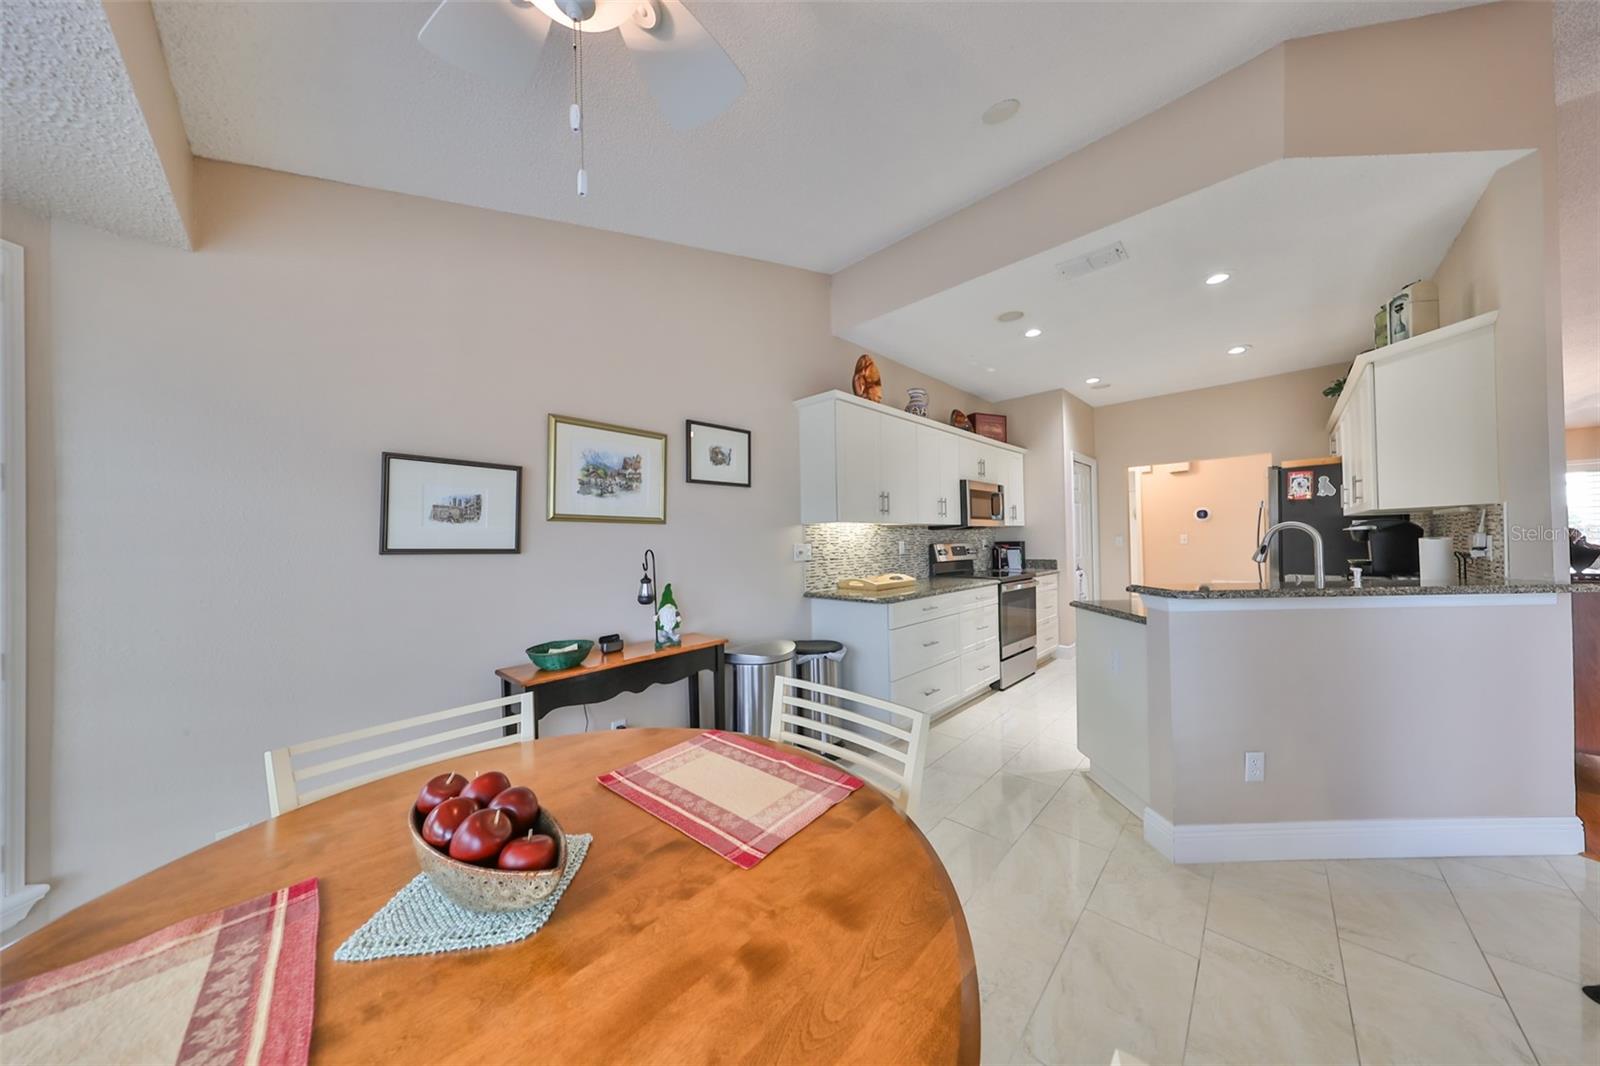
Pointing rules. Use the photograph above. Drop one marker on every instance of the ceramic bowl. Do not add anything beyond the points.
(484, 888)
(544, 659)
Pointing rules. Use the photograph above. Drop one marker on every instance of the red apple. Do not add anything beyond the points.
(443, 821)
(521, 804)
(481, 836)
(486, 787)
(441, 788)
(532, 852)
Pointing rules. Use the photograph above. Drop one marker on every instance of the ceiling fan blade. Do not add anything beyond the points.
(498, 39)
(689, 74)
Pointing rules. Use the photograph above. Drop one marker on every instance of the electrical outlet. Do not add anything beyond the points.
(802, 553)
(619, 723)
(1117, 540)
(1183, 538)
(902, 547)
(1255, 766)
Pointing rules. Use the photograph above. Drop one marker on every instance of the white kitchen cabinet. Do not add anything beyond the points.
(1048, 616)
(1417, 425)
(1010, 479)
(938, 477)
(929, 654)
(863, 462)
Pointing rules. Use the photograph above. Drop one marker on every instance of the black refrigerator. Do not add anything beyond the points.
(1310, 493)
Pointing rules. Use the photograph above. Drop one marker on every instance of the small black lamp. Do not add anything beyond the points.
(647, 581)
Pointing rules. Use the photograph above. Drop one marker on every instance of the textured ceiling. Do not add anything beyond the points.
(860, 123)
(1314, 245)
(73, 140)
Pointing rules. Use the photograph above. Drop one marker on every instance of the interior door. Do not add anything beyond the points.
(938, 480)
(897, 470)
(1085, 567)
(856, 442)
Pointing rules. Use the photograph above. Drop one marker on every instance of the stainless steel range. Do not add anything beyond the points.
(1019, 594)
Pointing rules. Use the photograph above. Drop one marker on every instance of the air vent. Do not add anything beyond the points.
(1078, 266)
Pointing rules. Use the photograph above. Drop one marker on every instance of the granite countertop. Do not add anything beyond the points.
(1131, 610)
(924, 588)
(1308, 591)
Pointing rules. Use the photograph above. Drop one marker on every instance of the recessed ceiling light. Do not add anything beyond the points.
(990, 369)
(1101, 385)
(1218, 278)
(1238, 349)
(1001, 112)
(1091, 381)
(1008, 316)
(1031, 333)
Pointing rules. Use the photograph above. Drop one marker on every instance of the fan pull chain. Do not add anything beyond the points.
(577, 105)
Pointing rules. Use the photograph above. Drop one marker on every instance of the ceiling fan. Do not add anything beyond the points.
(691, 77)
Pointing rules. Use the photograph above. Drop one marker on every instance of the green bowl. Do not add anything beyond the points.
(565, 660)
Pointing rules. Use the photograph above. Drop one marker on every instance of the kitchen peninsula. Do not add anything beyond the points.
(1303, 723)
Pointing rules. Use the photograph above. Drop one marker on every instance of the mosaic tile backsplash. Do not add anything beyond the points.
(853, 549)
(1459, 524)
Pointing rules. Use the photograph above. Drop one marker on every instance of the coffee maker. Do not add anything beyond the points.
(1391, 542)
(1008, 557)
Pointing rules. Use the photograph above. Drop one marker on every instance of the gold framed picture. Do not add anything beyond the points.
(598, 472)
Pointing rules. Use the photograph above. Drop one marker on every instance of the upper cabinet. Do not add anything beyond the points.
(863, 462)
(1416, 426)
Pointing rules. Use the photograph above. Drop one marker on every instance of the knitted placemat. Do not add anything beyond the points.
(421, 920)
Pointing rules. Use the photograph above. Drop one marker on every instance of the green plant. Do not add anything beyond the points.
(1333, 391)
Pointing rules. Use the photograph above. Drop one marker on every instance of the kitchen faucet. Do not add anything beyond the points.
(1316, 546)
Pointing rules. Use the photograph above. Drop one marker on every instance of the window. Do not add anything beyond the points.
(1583, 502)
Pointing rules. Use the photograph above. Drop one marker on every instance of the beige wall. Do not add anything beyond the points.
(1284, 416)
(1583, 444)
(1498, 262)
(1446, 730)
(205, 430)
(1181, 550)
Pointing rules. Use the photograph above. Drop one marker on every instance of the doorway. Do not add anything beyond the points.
(1085, 528)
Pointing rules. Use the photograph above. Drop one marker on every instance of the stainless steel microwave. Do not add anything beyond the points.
(982, 504)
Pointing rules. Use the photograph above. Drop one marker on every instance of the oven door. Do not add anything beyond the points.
(1018, 617)
(982, 504)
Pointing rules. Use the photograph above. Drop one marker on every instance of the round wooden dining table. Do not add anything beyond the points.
(846, 944)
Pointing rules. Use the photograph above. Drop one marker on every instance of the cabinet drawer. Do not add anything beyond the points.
(979, 624)
(979, 667)
(983, 596)
(918, 647)
(929, 607)
(1049, 635)
(930, 689)
(1046, 601)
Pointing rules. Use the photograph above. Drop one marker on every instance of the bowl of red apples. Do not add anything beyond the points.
(485, 843)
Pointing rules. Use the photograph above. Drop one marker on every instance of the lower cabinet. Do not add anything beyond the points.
(928, 654)
(1048, 620)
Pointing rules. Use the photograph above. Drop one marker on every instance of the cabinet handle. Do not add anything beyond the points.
(929, 643)
(929, 692)
(985, 666)
(930, 608)
(1356, 484)
(982, 628)
(981, 471)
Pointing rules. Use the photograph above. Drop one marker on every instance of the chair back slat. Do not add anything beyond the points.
(863, 742)
(284, 778)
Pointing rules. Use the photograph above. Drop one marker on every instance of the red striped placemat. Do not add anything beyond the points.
(231, 987)
(738, 797)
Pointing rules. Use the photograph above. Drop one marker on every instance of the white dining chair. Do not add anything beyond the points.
(889, 752)
(284, 777)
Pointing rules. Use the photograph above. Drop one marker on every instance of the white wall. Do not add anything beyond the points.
(208, 425)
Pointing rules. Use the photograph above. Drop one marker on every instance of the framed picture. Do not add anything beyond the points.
(604, 473)
(435, 506)
(716, 455)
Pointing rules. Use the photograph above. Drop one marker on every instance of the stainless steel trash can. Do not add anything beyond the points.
(755, 667)
(818, 661)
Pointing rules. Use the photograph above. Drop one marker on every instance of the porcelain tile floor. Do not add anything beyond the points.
(1093, 948)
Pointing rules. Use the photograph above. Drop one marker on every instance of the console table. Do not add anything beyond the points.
(633, 669)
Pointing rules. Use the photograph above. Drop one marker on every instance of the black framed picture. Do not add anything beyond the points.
(434, 506)
(716, 455)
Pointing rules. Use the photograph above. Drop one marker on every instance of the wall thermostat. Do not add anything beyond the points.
(1202, 513)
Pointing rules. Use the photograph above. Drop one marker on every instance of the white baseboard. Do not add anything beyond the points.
(1119, 791)
(1387, 838)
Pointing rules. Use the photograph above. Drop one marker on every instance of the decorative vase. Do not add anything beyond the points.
(669, 623)
(918, 404)
(866, 382)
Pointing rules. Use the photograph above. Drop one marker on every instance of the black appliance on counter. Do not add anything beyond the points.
(1008, 557)
(1310, 492)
